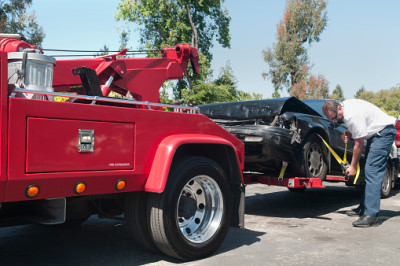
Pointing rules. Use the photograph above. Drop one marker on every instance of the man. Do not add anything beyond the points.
(365, 121)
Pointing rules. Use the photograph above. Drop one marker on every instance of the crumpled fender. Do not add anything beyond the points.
(165, 153)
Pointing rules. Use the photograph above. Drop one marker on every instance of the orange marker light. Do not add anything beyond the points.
(120, 185)
(32, 191)
(80, 187)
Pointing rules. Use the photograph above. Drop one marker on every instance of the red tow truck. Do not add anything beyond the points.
(174, 174)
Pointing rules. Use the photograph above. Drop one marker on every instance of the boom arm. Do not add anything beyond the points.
(143, 77)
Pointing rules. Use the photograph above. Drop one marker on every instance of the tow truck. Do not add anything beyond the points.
(174, 174)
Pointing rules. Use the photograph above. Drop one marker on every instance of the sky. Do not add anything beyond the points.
(359, 48)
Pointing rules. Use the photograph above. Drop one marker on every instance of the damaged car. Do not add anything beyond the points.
(284, 131)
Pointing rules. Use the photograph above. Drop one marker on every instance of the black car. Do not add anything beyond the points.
(287, 130)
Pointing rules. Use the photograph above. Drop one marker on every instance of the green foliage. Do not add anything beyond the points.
(337, 93)
(205, 73)
(245, 96)
(167, 23)
(359, 92)
(103, 51)
(303, 22)
(124, 38)
(387, 100)
(276, 94)
(209, 93)
(223, 89)
(15, 18)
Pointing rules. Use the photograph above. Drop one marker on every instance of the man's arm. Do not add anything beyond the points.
(357, 151)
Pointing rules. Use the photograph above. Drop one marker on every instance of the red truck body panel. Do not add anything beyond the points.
(165, 153)
(3, 122)
(56, 175)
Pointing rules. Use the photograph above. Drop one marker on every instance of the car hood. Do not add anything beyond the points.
(256, 109)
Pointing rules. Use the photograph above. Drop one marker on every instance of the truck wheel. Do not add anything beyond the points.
(137, 220)
(311, 159)
(387, 182)
(191, 218)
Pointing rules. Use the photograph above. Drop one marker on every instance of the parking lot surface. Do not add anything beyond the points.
(281, 228)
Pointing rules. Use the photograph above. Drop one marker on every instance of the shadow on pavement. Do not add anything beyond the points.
(313, 203)
(385, 215)
(95, 242)
(239, 237)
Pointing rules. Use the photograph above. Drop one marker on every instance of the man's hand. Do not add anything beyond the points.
(346, 136)
(351, 171)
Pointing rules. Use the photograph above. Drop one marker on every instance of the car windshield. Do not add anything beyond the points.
(315, 104)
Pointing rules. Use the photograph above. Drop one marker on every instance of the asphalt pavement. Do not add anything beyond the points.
(281, 228)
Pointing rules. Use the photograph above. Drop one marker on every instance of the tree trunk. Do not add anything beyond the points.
(195, 44)
(195, 37)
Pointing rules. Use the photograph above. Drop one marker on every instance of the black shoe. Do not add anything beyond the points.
(366, 221)
(355, 212)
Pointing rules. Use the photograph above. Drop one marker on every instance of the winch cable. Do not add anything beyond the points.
(98, 52)
(343, 162)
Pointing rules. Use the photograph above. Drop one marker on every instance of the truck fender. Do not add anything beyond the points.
(165, 153)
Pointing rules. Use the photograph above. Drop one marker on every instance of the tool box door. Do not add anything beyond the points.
(61, 145)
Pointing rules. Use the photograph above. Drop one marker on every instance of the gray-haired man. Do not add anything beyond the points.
(365, 121)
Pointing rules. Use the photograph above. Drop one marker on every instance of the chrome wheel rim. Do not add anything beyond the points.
(315, 159)
(200, 209)
(385, 183)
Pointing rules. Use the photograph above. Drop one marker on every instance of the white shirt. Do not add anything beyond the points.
(363, 119)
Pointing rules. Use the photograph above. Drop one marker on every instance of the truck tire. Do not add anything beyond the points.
(311, 159)
(191, 218)
(387, 182)
(136, 217)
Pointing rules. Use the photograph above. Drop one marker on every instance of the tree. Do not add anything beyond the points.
(223, 89)
(167, 23)
(123, 41)
(15, 18)
(318, 87)
(103, 51)
(337, 93)
(314, 88)
(359, 92)
(387, 100)
(245, 96)
(303, 22)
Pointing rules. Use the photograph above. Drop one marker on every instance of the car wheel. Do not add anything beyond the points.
(191, 218)
(311, 159)
(387, 182)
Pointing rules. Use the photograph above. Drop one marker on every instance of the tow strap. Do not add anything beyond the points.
(283, 169)
(343, 163)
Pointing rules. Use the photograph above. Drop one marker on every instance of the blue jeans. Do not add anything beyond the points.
(377, 152)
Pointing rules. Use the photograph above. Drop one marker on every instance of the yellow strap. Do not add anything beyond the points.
(344, 158)
(357, 174)
(283, 169)
(345, 153)
(332, 151)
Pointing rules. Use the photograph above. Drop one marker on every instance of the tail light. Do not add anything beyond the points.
(397, 140)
